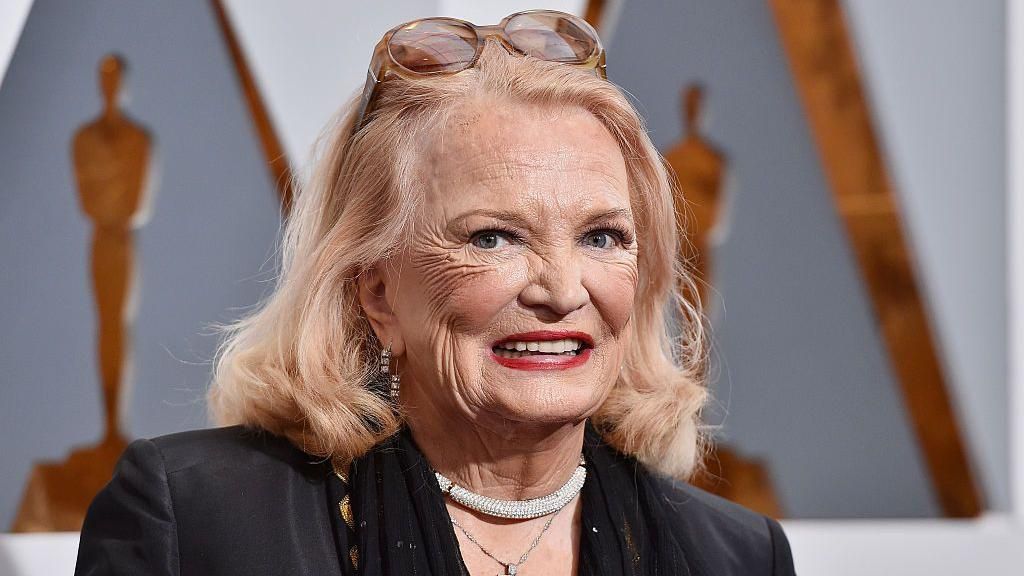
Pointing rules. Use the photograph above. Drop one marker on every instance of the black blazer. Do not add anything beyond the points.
(236, 501)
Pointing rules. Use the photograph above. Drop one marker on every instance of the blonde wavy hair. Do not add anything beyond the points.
(303, 364)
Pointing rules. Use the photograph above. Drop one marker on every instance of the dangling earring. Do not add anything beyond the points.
(393, 379)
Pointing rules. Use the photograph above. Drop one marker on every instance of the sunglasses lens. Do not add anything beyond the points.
(429, 46)
(552, 37)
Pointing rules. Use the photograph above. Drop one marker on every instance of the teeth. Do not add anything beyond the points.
(524, 348)
(516, 354)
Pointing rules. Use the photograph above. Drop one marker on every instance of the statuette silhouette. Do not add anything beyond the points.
(700, 169)
(111, 158)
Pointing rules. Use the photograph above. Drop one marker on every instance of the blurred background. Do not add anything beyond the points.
(846, 168)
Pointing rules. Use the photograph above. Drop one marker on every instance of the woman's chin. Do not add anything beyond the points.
(548, 406)
(553, 396)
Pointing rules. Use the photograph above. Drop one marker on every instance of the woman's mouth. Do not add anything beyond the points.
(520, 348)
(543, 350)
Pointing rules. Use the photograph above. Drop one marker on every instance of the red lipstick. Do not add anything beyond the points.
(545, 361)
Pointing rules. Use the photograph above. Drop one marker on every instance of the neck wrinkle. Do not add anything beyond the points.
(517, 466)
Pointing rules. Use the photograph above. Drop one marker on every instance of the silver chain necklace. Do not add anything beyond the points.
(517, 509)
(511, 568)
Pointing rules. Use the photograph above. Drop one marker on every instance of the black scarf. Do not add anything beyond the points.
(399, 525)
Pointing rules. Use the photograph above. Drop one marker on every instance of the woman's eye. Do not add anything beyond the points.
(600, 239)
(489, 239)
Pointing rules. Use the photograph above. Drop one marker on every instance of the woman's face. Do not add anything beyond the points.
(525, 239)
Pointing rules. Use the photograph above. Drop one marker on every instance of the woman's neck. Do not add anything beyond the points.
(509, 462)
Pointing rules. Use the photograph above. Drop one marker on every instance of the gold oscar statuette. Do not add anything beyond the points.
(700, 171)
(111, 157)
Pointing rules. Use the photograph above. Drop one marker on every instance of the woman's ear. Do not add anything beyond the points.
(373, 290)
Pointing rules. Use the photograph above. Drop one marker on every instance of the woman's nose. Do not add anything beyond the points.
(557, 285)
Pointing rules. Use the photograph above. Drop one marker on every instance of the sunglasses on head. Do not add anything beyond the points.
(435, 46)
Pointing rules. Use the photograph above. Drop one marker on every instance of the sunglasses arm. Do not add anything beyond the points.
(374, 75)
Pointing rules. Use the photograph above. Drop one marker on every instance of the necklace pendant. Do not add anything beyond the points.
(510, 569)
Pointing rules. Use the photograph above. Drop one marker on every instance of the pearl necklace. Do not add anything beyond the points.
(517, 509)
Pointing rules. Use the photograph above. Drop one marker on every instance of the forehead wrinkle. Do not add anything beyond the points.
(500, 167)
(533, 186)
(535, 208)
(514, 160)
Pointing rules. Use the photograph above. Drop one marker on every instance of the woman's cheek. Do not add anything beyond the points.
(612, 287)
(480, 299)
(440, 273)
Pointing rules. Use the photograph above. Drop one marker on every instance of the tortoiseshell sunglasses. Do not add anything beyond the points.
(447, 46)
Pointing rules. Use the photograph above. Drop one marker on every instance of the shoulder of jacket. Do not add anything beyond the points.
(722, 537)
(238, 500)
(694, 503)
(229, 447)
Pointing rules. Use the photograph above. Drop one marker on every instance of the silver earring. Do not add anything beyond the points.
(393, 379)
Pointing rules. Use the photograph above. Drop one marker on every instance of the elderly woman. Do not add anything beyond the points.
(466, 366)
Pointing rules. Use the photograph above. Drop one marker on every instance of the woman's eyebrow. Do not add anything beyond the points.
(524, 223)
(504, 215)
(611, 214)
